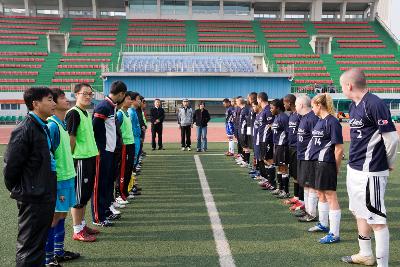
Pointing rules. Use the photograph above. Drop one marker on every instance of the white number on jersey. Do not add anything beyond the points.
(359, 136)
(317, 141)
(300, 138)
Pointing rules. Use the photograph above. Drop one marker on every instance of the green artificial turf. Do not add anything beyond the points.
(169, 226)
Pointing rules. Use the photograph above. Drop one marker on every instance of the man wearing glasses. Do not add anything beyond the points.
(84, 152)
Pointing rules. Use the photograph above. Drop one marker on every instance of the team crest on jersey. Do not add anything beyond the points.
(354, 123)
(292, 124)
(383, 122)
(316, 133)
(301, 131)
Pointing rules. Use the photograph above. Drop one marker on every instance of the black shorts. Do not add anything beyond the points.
(306, 173)
(84, 182)
(266, 151)
(325, 176)
(281, 155)
(293, 162)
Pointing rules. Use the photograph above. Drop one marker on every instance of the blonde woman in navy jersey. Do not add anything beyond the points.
(326, 149)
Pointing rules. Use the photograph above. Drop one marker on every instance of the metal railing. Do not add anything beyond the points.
(191, 48)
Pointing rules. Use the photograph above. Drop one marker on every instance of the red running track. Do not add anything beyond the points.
(171, 133)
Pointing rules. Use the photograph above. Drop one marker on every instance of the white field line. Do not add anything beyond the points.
(223, 249)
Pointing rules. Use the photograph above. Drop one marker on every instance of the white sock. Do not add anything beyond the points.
(365, 247)
(83, 223)
(334, 220)
(312, 203)
(78, 228)
(231, 146)
(382, 247)
(306, 204)
(323, 210)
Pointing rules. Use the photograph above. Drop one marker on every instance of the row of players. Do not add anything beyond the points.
(61, 158)
(301, 138)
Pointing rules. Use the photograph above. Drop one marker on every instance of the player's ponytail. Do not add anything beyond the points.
(326, 101)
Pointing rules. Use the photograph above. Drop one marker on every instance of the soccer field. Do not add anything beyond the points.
(169, 225)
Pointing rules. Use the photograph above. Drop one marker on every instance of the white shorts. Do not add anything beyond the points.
(366, 195)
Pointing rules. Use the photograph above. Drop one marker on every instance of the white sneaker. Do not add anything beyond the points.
(118, 206)
(114, 210)
(130, 196)
(119, 200)
(244, 165)
(189, 149)
(183, 149)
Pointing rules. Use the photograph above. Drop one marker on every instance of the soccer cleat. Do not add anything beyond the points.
(276, 192)
(270, 187)
(113, 217)
(118, 206)
(359, 259)
(53, 263)
(83, 236)
(252, 171)
(120, 201)
(306, 217)
(114, 210)
(318, 228)
(297, 206)
(229, 154)
(283, 195)
(291, 201)
(183, 149)
(67, 256)
(91, 231)
(131, 196)
(329, 239)
(105, 223)
(262, 181)
(189, 149)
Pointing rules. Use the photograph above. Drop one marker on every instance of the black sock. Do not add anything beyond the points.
(247, 157)
(285, 182)
(301, 192)
(271, 175)
(263, 171)
(296, 189)
(279, 178)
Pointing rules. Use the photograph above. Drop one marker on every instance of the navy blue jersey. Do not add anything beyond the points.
(265, 121)
(280, 128)
(304, 135)
(250, 121)
(256, 128)
(243, 120)
(104, 127)
(325, 135)
(294, 120)
(368, 120)
(229, 114)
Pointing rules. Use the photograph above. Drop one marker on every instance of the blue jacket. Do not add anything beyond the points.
(137, 131)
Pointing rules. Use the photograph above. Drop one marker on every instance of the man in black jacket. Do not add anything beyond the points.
(157, 116)
(201, 117)
(30, 176)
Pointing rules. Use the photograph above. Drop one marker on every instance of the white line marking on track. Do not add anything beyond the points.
(223, 249)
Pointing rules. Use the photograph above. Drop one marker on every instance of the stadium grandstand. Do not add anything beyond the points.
(310, 43)
(200, 133)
